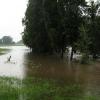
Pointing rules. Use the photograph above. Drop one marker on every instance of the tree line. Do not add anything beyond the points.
(53, 25)
(5, 40)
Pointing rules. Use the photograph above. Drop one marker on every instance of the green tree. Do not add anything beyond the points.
(35, 35)
(94, 27)
(73, 21)
(51, 25)
(7, 40)
(54, 17)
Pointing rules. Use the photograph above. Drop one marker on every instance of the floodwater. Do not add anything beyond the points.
(15, 67)
(23, 64)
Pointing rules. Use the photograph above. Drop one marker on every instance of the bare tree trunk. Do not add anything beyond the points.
(94, 56)
(71, 56)
(62, 53)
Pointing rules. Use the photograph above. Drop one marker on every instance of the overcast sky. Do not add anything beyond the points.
(11, 14)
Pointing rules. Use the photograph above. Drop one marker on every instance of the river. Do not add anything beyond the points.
(23, 64)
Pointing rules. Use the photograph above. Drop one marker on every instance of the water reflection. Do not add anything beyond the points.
(55, 68)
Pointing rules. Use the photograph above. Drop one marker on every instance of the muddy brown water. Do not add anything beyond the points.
(23, 64)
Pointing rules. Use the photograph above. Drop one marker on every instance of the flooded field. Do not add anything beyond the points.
(23, 64)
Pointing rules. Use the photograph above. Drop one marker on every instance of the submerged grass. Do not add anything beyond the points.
(4, 50)
(39, 89)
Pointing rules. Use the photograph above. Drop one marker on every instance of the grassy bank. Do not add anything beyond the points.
(38, 89)
(4, 50)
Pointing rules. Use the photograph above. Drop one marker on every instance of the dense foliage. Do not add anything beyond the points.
(6, 40)
(53, 25)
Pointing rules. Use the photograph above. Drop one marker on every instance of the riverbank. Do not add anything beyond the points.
(40, 89)
(4, 50)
